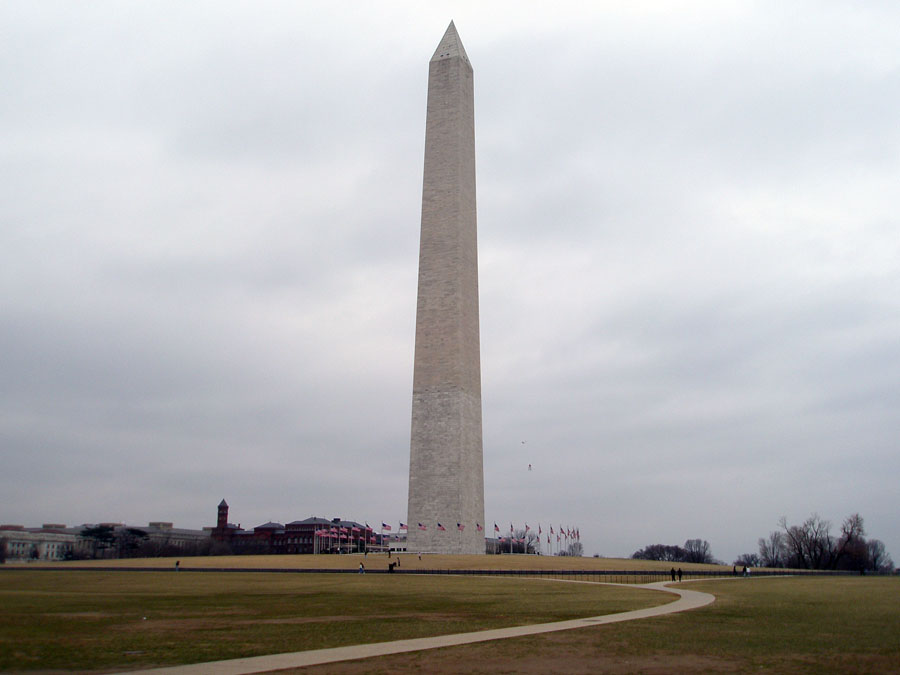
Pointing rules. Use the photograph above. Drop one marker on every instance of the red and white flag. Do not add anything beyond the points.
(442, 528)
(385, 526)
(460, 527)
(422, 527)
(479, 527)
(404, 527)
(496, 529)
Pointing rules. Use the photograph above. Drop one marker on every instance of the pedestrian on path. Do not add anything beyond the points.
(673, 574)
(362, 568)
(679, 574)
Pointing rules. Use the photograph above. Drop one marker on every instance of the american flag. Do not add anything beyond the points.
(496, 529)
(404, 527)
(479, 527)
(422, 527)
(442, 528)
(460, 527)
(385, 526)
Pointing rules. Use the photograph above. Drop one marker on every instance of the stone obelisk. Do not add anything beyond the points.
(446, 475)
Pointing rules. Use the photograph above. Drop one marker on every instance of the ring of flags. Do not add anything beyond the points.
(367, 535)
(567, 533)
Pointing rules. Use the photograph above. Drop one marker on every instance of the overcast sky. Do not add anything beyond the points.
(688, 241)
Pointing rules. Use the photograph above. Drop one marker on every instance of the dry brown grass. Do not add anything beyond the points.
(408, 561)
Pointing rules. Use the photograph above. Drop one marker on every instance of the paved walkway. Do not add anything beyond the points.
(260, 664)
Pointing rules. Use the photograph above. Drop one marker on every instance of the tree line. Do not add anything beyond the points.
(811, 545)
(132, 542)
(693, 551)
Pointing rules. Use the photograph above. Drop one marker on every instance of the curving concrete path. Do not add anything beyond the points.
(261, 664)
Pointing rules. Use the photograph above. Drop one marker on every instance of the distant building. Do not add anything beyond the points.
(309, 536)
(55, 541)
(313, 535)
(52, 541)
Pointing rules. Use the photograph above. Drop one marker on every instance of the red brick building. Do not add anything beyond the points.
(312, 535)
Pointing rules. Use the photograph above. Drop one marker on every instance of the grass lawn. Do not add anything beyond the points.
(780, 625)
(96, 620)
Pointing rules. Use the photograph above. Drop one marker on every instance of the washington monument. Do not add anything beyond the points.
(446, 476)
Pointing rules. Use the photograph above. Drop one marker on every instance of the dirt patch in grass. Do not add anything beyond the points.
(81, 615)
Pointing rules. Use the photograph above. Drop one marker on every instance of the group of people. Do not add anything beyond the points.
(391, 566)
(678, 573)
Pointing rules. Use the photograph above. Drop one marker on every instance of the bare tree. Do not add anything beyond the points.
(850, 549)
(810, 545)
(772, 551)
(575, 549)
(660, 552)
(697, 551)
(520, 541)
(748, 560)
(878, 558)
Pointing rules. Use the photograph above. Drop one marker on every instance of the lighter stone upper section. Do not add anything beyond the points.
(450, 45)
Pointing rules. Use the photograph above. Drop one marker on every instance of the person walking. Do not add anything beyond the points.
(362, 568)
(679, 574)
(673, 574)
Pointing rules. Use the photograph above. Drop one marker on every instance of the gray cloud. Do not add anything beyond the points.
(688, 263)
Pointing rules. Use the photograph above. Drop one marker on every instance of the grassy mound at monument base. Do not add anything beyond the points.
(408, 561)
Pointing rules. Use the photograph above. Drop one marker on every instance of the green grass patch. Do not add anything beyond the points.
(119, 620)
